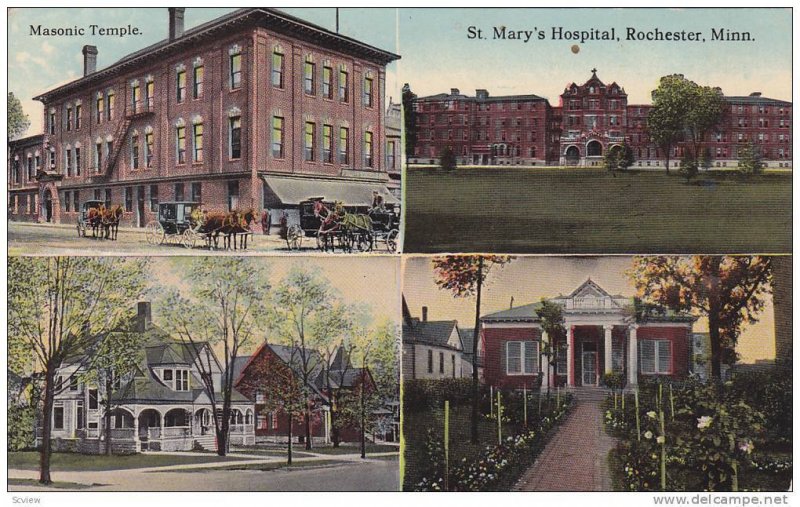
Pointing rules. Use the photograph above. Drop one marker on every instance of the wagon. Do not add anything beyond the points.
(386, 227)
(83, 221)
(174, 224)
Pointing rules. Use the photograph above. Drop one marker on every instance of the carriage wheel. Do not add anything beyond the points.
(154, 233)
(391, 240)
(189, 238)
(294, 237)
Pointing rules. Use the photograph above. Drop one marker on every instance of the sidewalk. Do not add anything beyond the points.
(575, 459)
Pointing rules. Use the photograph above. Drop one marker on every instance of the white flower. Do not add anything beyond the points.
(648, 434)
(704, 422)
(651, 414)
(746, 447)
(661, 439)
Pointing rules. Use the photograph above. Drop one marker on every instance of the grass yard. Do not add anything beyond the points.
(70, 462)
(267, 467)
(53, 485)
(560, 210)
(355, 449)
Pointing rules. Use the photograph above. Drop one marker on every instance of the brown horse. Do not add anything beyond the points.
(110, 219)
(230, 225)
(330, 225)
(241, 226)
(94, 218)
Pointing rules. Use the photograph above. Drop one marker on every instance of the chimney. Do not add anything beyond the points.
(89, 60)
(144, 316)
(511, 305)
(424, 314)
(481, 93)
(176, 22)
(454, 91)
(755, 94)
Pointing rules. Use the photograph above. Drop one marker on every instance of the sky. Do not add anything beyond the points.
(37, 63)
(370, 282)
(438, 56)
(528, 279)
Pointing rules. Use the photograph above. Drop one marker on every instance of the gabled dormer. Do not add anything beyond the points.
(589, 296)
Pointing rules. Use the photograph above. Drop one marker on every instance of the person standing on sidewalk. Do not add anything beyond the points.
(265, 222)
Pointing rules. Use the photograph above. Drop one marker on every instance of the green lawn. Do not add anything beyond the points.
(266, 467)
(54, 484)
(67, 462)
(355, 449)
(577, 210)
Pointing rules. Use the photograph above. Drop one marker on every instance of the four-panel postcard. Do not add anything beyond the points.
(407, 249)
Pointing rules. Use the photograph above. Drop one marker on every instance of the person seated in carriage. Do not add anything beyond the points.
(198, 218)
(377, 202)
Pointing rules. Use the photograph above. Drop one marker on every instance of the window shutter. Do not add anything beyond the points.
(503, 358)
(647, 356)
(664, 356)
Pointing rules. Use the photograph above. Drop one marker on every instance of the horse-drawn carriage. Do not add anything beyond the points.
(185, 223)
(351, 228)
(102, 220)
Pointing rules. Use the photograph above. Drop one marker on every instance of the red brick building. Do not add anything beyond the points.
(601, 337)
(526, 130)
(253, 109)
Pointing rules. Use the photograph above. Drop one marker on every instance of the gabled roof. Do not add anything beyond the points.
(270, 18)
(436, 333)
(517, 314)
(587, 287)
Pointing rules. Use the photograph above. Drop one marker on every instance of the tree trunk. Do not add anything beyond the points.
(222, 434)
(289, 440)
(475, 392)
(363, 425)
(107, 417)
(714, 318)
(307, 420)
(334, 429)
(669, 148)
(47, 425)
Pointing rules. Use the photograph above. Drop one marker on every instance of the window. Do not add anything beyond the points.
(29, 166)
(51, 123)
(308, 78)
(181, 380)
(15, 171)
(69, 119)
(656, 356)
(76, 200)
(153, 198)
(148, 149)
(343, 86)
(430, 361)
(390, 160)
(93, 399)
(52, 159)
(77, 116)
(197, 81)
(233, 195)
(167, 376)
(368, 149)
(178, 191)
(327, 144)
(277, 137)
(277, 69)
(58, 417)
(80, 416)
(344, 135)
(453, 361)
(368, 96)
(236, 71)
(149, 90)
(110, 105)
(180, 143)
(77, 161)
(180, 89)
(136, 97)
(521, 358)
(441, 362)
(135, 151)
(73, 383)
(198, 142)
(197, 192)
(108, 198)
(235, 137)
(128, 198)
(97, 192)
(99, 107)
(309, 141)
(327, 82)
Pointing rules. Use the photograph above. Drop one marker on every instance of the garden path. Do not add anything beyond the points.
(576, 457)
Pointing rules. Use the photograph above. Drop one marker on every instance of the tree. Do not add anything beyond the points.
(226, 309)
(18, 121)
(409, 120)
(618, 157)
(464, 276)
(59, 309)
(750, 160)
(688, 167)
(552, 319)
(448, 160)
(729, 291)
(111, 367)
(665, 121)
(705, 159)
(305, 318)
(705, 111)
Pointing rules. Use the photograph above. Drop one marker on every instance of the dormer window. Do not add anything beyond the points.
(178, 380)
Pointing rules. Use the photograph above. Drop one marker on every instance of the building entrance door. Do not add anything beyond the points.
(140, 206)
(589, 364)
(48, 206)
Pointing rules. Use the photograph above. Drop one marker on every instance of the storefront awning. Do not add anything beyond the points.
(285, 191)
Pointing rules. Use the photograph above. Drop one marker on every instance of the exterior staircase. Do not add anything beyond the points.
(206, 442)
(591, 393)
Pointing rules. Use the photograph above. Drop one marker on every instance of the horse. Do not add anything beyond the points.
(330, 225)
(94, 218)
(240, 226)
(110, 219)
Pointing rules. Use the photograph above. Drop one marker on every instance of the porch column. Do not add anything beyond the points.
(633, 356)
(609, 367)
(546, 365)
(571, 356)
(136, 431)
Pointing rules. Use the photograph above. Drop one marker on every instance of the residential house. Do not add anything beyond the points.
(432, 349)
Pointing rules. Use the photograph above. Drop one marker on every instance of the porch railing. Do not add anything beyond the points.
(122, 433)
(241, 428)
(176, 431)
